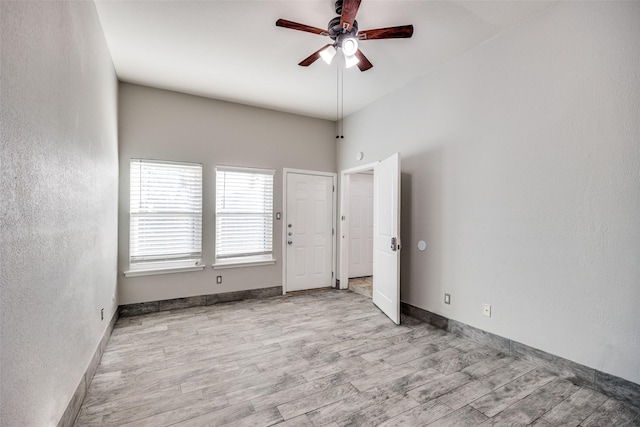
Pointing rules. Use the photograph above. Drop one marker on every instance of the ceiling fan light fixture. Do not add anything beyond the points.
(350, 61)
(349, 46)
(344, 32)
(328, 54)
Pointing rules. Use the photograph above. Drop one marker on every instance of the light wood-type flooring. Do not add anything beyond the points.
(322, 358)
(362, 285)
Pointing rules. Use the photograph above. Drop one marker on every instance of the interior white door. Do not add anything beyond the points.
(386, 236)
(360, 225)
(309, 231)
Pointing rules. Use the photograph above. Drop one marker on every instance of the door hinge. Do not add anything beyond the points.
(333, 231)
(334, 188)
(332, 274)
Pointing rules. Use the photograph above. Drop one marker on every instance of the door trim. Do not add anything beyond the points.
(334, 178)
(343, 269)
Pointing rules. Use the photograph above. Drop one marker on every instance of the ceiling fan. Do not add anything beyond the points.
(343, 30)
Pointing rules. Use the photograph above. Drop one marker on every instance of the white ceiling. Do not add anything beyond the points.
(232, 50)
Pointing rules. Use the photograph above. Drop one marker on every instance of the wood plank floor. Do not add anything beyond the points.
(362, 285)
(322, 358)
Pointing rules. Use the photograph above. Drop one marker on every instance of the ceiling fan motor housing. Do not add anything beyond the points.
(336, 30)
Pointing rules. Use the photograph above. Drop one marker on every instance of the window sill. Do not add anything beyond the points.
(165, 270)
(219, 265)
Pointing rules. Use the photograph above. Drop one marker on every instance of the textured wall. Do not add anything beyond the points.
(521, 171)
(165, 125)
(58, 203)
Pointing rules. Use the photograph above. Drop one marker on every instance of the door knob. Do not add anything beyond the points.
(290, 242)
(395, 244)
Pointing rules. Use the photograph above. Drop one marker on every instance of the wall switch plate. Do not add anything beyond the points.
(219, 279)
(447, 299)
(486, 310)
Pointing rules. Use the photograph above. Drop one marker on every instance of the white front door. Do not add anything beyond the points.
(309, 231)
(360, 225)
(386, 236)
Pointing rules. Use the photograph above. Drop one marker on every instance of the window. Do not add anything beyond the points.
(244, 215)
(165, 216)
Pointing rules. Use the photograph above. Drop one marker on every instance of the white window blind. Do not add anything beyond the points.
(244, 212)
(165, 213)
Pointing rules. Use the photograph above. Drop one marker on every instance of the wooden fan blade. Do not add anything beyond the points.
(313, 57)
(349, 11)
(401, 32)
(301, 27)
(363, 63)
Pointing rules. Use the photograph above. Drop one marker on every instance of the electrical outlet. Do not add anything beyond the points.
(102, 314)
(447, 299)
(219, 279)
(486, 310)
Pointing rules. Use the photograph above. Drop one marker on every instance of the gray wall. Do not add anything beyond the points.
(159, 124)
(520, 169)
(59, 196)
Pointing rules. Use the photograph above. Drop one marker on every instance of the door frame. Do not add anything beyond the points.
(334, 178)
(345, 201)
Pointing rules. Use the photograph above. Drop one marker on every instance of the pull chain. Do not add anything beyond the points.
(339, 101)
